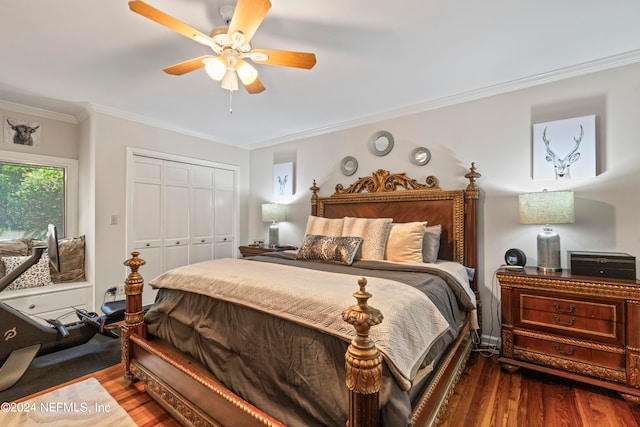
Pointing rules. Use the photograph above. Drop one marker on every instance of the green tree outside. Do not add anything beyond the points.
(31, 198)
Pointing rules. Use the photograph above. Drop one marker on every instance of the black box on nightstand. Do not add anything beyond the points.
(615, 265)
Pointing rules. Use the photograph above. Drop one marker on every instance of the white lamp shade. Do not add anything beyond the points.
(273, 212)
(216, 67)
(547, 207)
(230, 80)
(246, 72)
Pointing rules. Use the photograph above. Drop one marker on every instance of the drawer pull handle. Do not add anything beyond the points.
(561, 310)
(148, 244)
(560, 322)
(202, 241)
(32, 306)
(572, 349)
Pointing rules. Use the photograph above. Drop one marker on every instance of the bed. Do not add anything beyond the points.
(243, 357)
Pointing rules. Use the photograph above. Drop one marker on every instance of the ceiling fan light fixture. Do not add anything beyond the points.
(230, 80)
(216, 67)
(246, 72)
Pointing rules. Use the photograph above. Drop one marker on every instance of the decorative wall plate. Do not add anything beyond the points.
(349, 165)
(381, 143)
(420, 156)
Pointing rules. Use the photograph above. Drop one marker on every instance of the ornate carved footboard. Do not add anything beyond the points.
(193, 396)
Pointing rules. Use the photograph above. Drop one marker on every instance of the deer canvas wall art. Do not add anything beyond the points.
(564, 149)
(283, 179)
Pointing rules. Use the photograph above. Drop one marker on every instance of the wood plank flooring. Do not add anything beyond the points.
(485, 396)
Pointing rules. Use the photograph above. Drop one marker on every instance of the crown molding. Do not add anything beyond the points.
(590, 67)
(40, 112)
(114, 112)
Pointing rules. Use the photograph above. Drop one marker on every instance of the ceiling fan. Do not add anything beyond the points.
(231, 45)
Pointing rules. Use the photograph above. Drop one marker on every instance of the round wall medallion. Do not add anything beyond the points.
(381, 143)
(349, 165)
(420, 156)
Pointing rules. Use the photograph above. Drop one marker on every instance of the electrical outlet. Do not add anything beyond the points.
(120, 289)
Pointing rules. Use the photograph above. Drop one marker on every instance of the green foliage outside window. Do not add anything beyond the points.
(31, 197)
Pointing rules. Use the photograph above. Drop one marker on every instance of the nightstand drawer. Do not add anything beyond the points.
(599, 321)
(569, 349)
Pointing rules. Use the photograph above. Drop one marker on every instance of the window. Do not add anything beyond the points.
(34, 192)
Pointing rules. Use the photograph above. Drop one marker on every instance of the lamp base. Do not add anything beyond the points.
(549, 251)
(273, 236)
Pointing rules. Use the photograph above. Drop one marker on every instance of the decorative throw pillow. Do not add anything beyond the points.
(16, 247)
(431, 243)
(36, 275)
(405, 242)
(324, 226)
(341, 250)
(374, 233)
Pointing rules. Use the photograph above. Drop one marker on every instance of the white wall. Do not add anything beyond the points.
(495, 133)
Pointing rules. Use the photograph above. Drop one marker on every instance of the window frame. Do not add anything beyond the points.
(70, 181)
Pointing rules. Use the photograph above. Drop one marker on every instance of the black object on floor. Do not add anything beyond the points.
(56, 368)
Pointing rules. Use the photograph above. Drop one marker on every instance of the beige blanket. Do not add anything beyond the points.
(316, 299)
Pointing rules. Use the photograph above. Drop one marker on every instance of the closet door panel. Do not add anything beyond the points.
(146, 223)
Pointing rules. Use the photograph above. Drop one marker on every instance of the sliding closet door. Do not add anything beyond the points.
(224, 213)
(179, 213)
(176, 214)
(202, 213)
(145, 225)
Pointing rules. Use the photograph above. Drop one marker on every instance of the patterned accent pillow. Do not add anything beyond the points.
(37, 275)
(405, 242)
(71, 253)
(324, 226)
(340, 250)
(431, 243)
(374, 233)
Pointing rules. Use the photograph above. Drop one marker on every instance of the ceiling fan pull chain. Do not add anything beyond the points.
(230, 102)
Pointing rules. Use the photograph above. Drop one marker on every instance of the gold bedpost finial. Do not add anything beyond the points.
(472, 175)
(363, 361)
(314, 198)
(133, 312)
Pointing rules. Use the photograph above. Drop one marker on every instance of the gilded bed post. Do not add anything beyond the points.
(133, 312)
(314, 198)
(472, 194)
(363, 362)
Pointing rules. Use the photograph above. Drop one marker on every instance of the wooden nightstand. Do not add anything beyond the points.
(248, 250)
(577, 327)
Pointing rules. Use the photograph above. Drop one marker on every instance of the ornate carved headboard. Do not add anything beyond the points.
(387, 195)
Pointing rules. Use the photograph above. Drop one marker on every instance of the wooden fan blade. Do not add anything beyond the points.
(162, 18)
(285, 58)
(248, 16)
(255, 87)
(186, 66)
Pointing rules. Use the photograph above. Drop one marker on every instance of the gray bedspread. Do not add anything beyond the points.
(294, 373)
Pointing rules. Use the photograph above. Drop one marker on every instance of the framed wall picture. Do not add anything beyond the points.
(21, 132)
(564, 149)
(283, 179)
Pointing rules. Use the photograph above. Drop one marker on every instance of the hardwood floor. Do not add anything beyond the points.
(485, 396)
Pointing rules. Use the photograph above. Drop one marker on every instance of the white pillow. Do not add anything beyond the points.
(374, 233)
(324, 226)
(405, 242)
(431, 243)
(37, 275)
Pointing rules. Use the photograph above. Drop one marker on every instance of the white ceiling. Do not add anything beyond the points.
(376, 59)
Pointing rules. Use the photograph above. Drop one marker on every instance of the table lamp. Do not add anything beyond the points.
(273, 212)
(547, 207)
